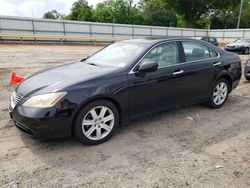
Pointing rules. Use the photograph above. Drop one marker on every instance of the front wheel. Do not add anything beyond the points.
(219, 93)
(96, 122)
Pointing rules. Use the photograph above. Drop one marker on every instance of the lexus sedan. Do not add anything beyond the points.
(125, 80)
(241, 45)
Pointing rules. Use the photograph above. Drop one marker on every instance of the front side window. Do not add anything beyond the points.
(164, 54)
(196, 51)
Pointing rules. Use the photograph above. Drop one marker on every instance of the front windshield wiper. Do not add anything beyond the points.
(91, 63)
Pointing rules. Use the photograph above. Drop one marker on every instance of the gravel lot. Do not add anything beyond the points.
(188, 147)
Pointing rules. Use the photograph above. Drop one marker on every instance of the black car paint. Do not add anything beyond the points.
(133, 94)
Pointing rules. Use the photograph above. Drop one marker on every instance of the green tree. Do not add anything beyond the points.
(245, 18)
(225, 15)
(159, 13)
(118, 11)
(103, 13)
(196, 10)
(81, 11)
(53, 14)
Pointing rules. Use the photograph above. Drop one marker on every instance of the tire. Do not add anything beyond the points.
(247, 78)
(90, 126)
(219, 93)
(246, 51)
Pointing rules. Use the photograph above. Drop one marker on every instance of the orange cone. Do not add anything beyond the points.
(15, 79)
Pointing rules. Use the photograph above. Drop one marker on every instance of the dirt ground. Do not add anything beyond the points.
(188, 147)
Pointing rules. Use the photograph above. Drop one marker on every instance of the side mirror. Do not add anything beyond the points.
(148, 66)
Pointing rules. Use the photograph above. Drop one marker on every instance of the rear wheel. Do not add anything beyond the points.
(96, 122)
(219, 93)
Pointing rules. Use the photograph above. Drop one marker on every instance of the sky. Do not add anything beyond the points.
(36, 8)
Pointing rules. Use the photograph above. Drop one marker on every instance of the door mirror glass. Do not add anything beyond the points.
(148, 66)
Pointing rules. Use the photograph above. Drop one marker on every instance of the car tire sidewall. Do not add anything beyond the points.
(211, 99)
(77, 129)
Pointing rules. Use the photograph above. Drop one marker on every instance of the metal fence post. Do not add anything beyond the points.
(133, 32)
(113, 30)
(64, 32)
(90, 30)
(33, 26)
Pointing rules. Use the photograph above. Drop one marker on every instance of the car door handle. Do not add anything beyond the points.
(217, 63)
(178, 72)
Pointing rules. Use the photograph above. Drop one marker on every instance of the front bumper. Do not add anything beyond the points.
(235, 49)
(41, 123)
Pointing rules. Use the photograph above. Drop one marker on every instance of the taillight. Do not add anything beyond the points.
(240, 61)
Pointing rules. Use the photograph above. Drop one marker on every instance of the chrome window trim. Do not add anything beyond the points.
(218, 55)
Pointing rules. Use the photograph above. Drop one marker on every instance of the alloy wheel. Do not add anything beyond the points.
(220, 93)
(98, 123)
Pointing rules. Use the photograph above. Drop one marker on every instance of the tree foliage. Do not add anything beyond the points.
(53, 14)
(175, 13)
(81, 11)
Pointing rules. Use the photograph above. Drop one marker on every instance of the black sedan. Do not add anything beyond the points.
(90, 98)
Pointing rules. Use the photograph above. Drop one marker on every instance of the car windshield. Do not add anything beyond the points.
(242, 41)
(119, 54)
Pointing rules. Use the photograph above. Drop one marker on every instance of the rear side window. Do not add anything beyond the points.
(196, 51)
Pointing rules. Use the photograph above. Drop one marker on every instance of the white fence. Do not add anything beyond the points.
(21, 25)
(74, 28)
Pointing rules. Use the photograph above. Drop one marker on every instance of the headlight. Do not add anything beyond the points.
(44, 101)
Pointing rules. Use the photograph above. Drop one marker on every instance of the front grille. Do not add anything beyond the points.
(15, 99)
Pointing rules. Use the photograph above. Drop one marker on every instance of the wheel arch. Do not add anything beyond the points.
(107, 98)
(228, 79)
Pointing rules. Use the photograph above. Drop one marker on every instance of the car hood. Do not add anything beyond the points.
(59, 77)
(238, 44)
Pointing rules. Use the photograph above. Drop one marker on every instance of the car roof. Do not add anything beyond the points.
(154, 40)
